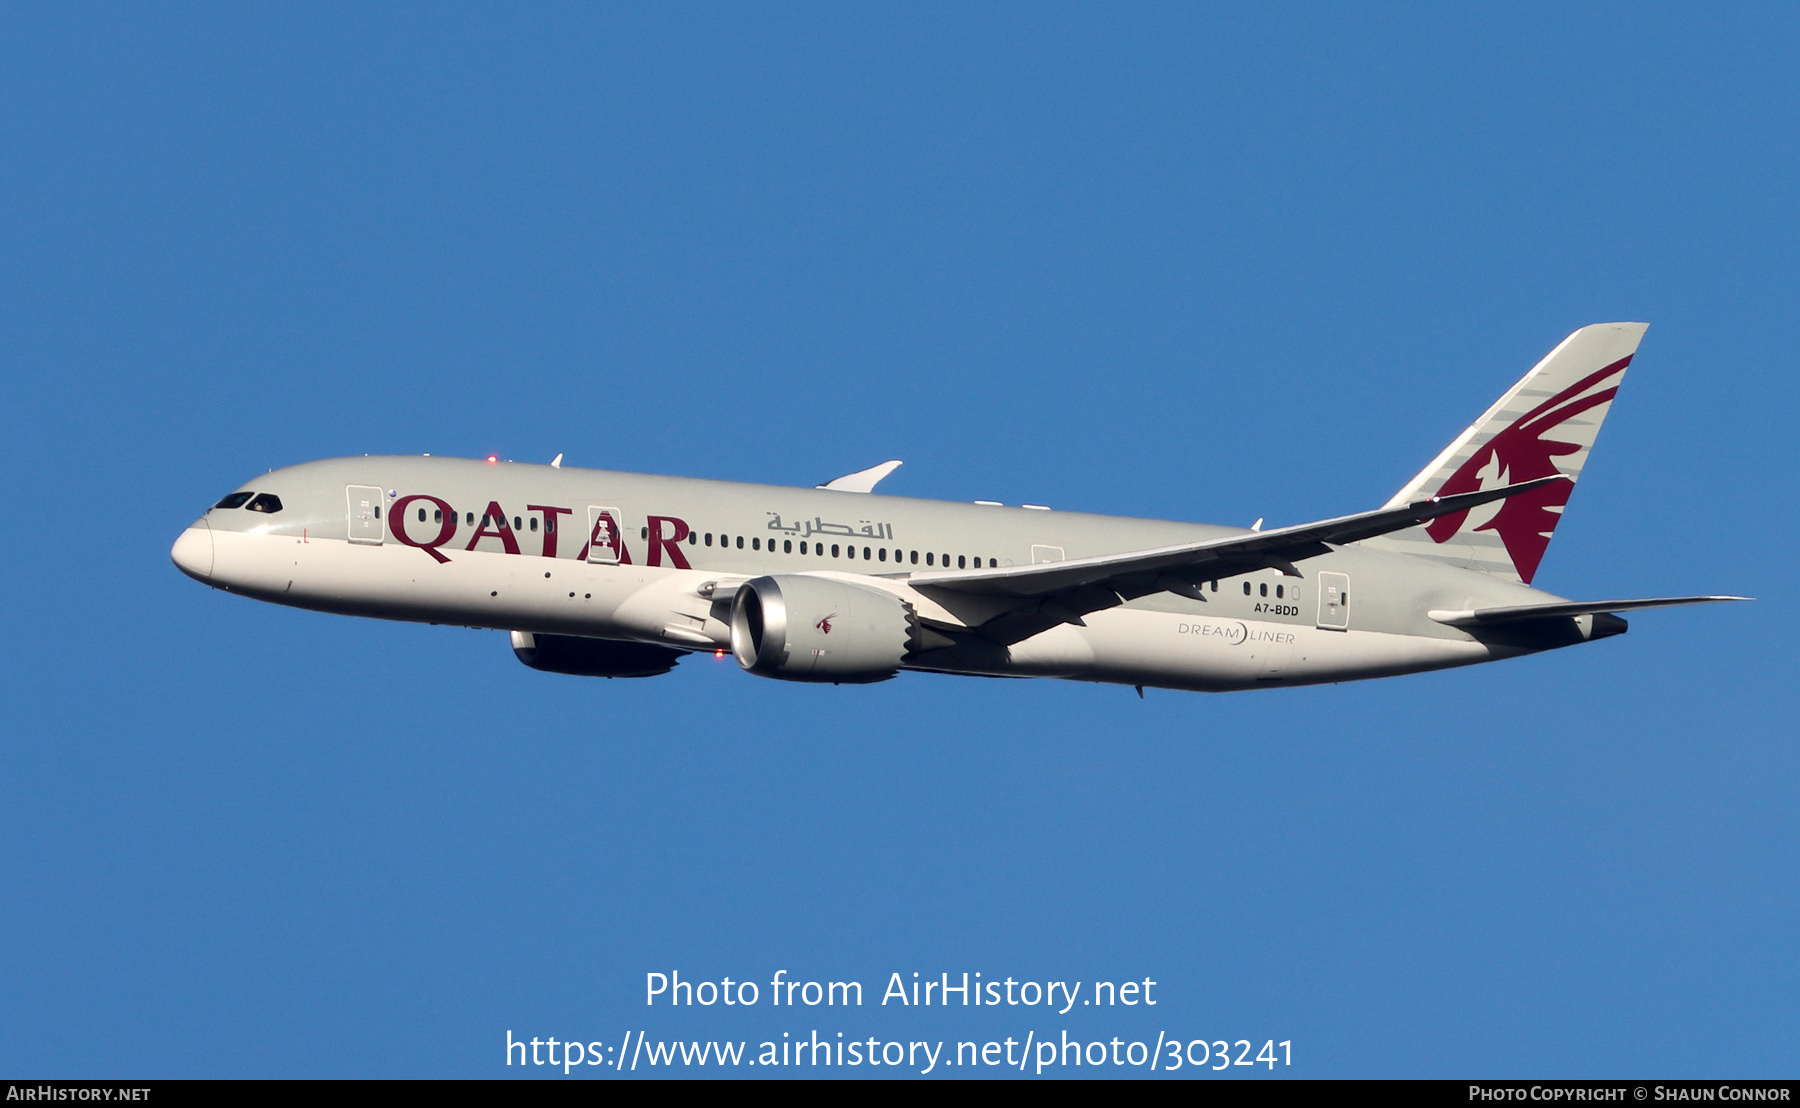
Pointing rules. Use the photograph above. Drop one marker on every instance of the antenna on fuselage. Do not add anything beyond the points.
(556, 462)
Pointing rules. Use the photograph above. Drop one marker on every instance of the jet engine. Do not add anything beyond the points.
(593, 657)
(800, 628)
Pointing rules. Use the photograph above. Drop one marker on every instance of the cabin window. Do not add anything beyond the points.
(1263, 588)
(421, 515)
(915, 557)
(756, 544)
(694, 538)
(959, 562)
(534, 523)
(740, 542)
(518, 523)
(865, 553)
(834, 550)
(470, 517)
(1215, 586)
(709, 538)
(270, 503)
(1278, 592)
(993, 563)
(883, 554)
(235, 500)
(550, 523)
(437, 515)
(787, 546)
(928, 558)
(850, 551)
(1246, 588)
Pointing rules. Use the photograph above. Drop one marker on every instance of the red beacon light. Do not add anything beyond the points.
(492, 458)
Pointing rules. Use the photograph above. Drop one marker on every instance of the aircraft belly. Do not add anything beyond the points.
(478, 589)
(660, 605)
(1167, 650)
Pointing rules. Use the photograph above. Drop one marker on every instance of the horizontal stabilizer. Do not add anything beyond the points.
(1482, 617)
(1232, 554)
(863, 480)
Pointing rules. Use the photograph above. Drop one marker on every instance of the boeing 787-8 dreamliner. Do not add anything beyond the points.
(619, 574)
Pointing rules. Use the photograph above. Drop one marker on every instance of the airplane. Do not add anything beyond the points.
(606, 574)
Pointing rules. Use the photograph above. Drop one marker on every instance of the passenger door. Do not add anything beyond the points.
(365, 513)
(603, 535)
(1334, 601)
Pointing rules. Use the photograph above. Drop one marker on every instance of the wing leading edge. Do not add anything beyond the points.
(1480, 617)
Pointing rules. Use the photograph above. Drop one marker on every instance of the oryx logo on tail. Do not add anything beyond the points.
(1523, 452)
(1544, 426)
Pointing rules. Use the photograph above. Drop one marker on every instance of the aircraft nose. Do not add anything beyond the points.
(193, 551)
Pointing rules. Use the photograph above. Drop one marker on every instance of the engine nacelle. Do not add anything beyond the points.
(593, 657)
(800, 628)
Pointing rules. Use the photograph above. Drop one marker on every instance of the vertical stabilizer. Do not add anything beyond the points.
(1544, 425)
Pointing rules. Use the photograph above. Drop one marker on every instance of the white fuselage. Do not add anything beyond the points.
(562, 551)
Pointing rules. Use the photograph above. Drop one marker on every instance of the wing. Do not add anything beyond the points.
(1481, 617)
(1251, 550)
(1065, 591)
(863, 480)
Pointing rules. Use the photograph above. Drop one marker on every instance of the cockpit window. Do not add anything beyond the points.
(235, 500)
(265, 502)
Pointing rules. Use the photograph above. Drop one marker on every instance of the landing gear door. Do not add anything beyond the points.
(365, 513)
(1334, 601)
(604, 540)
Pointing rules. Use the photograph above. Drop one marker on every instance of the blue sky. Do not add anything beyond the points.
(1175, 261)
